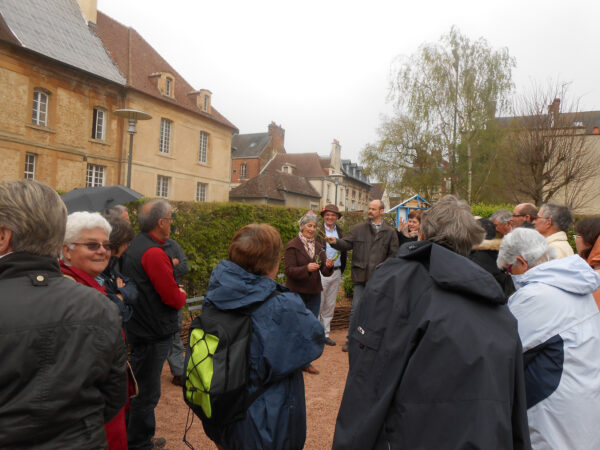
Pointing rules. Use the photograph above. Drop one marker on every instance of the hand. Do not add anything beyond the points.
(312, 267)
(183, 291)
(120, 283)
(329, 262)
(175, 262)
(331, 239)
(401, 224)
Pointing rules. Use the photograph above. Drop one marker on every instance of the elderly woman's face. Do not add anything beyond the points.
(92, 262)
(309, 229)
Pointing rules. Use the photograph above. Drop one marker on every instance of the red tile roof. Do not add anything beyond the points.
(137, 60)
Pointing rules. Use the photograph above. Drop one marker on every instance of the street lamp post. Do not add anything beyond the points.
(132, 115)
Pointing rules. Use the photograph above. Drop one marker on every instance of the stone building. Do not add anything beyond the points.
(58, 88)
(64, 69)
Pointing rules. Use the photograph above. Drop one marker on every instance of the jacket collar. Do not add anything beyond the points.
(20, 264)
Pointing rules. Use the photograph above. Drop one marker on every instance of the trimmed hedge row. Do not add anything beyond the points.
(204, 231)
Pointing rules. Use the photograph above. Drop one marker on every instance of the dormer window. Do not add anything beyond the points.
(206, 103)
(165, 82)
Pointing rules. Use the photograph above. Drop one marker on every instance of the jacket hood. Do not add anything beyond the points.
(571, 274)
(231, 287)
(489, 244)
(454, 272)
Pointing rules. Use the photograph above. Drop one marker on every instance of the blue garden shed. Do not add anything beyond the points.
(402, 209)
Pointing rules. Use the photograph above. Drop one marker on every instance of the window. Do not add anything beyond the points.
(328, 193)
(243, 170)
(165, 136)
(206, 100)
(169, 87)
(99, 124)
(201, 192)
(162, 186)
(40, 108)
(30, 166)
(94, 175)
(203, 147)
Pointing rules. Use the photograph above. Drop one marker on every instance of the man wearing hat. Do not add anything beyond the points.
(331, 284)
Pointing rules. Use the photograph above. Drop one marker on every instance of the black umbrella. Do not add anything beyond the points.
(98, 198)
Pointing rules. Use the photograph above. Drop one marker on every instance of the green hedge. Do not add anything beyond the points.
(204, 231)
(486, 210)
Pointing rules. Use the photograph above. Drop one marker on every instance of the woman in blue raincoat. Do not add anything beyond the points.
(285, 337)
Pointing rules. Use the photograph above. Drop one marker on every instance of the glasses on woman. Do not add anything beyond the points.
(94, 246)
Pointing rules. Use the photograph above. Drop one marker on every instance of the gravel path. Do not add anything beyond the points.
(323, 397)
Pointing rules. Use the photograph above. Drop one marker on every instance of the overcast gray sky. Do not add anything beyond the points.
(321, 68)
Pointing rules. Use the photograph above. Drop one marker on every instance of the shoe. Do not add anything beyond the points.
(329, 341)
(177, 380)
(158, 442)
(311, 369)
(345, 347)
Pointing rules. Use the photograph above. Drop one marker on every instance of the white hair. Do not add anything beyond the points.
(78, 222)
(526, 243)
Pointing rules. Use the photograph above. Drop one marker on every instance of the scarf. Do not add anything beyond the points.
(309, 245)
(81, 277)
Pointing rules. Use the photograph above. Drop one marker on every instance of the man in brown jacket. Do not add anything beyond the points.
(371, 242)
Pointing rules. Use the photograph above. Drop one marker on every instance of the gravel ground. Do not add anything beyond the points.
(323, 397)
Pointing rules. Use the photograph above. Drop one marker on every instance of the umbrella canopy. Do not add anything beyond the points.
(98, 198)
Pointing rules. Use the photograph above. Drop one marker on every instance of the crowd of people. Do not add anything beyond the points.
(465, 332)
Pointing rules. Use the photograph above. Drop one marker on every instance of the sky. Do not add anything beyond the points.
(322, 69)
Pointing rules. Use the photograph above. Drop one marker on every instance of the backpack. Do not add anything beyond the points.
(216, 364)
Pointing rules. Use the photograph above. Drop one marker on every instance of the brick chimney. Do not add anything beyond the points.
(89, 10)
(554, 110)
(335, 157)
(277, 135)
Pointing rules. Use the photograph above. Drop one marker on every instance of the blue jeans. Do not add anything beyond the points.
(147, 360)
(356, 298)
(312, 302)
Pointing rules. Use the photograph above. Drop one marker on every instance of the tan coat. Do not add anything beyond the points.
(558, 241)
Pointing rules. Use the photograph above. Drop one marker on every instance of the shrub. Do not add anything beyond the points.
(486, 210)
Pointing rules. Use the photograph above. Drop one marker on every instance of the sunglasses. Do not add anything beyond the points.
(519, 215)
(94, 246)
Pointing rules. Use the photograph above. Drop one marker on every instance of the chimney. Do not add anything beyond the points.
(89, 10)
(277, 135)
(553, 111)
(335, 157)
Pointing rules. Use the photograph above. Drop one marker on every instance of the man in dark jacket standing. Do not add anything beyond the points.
(435, 358)
(62, 370)
(371, 242)
(154, 321)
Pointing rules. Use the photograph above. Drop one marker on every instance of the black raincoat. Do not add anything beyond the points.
(435, 359)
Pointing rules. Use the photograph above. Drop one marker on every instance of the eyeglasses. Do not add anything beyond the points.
(94, 246)
(575, 236)
(539, 217)
(170, 219)
(519, 215)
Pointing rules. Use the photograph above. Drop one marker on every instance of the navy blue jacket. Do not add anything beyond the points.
(285, 337)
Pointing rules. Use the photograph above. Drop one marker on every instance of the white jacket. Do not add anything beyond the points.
(559, 326)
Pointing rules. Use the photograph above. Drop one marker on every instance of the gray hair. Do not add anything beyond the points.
(151, 212)
(502, 215)
(310, 216)
(115, 211)
(561, 215)
(450, 223)
(80, 221)
(35, 214)
(526, 243)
